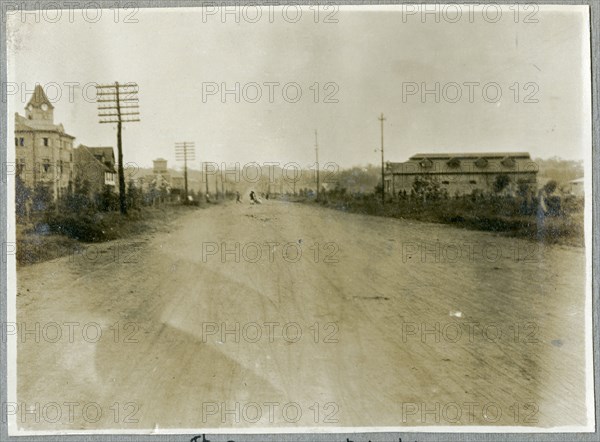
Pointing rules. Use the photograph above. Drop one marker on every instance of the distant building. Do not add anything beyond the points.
(44, 151)
(576, 187)
(96, 165)
(168, 183)
(160, 178)
(462, 173)
(160, 167)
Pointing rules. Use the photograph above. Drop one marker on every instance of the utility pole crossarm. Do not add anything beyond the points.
(112, 95)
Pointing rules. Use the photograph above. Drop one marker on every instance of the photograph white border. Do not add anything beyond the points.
(590, 180)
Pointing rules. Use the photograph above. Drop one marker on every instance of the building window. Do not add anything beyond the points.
(445, 182)
(426, 163)
(22, 141)
(508, 162)
(16, 141)
(45, 142)
(472, 182)
(453, 163)
(46, 165)
(481, 162)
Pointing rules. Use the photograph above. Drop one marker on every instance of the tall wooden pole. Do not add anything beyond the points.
(185, 170)
(122, 201)
(216, 187)
(111, 113)
(382, 119)
(317, 155)
(185, 151)
(206, 180)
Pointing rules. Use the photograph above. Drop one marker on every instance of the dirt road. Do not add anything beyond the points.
(315, 318)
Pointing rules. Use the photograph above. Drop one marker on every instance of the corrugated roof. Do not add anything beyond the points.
(469, 155)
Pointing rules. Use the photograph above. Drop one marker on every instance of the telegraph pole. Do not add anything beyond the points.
(185, 151)
(112, 112)
(216, 187)
(317, 155)
(206, 180)
(382, 119)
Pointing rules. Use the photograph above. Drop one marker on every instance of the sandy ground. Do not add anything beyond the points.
(402, 323)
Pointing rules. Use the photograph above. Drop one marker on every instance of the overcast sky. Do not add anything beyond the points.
(371, 57)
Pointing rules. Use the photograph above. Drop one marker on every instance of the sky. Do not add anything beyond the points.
(362, 61)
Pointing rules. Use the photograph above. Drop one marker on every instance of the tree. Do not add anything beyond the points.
(523, 188)
(107, 199)
(501, 182)
(550, 187)
(78, 200)
(426, 187)
(134, 195)
(22, 197)
(164, 191)
(42, 198)
(525, 194)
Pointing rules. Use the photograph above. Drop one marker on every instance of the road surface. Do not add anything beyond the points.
(316, 318)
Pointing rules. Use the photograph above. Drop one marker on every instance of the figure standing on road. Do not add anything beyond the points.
(238, 197)
(252, 196)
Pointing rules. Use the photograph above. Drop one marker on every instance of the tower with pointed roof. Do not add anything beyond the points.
(39, 107)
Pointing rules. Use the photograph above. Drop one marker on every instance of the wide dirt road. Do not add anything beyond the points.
(315, 318)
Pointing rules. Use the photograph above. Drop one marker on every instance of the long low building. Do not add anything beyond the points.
(462, 173)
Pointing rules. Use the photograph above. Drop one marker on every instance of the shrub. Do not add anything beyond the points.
(41, 198)
(550, 187)
(108, 201)
(22, 196)
(501, 182)
(80, 227)
(512, 215)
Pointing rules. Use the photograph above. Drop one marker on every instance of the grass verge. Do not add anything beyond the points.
(54, 235)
